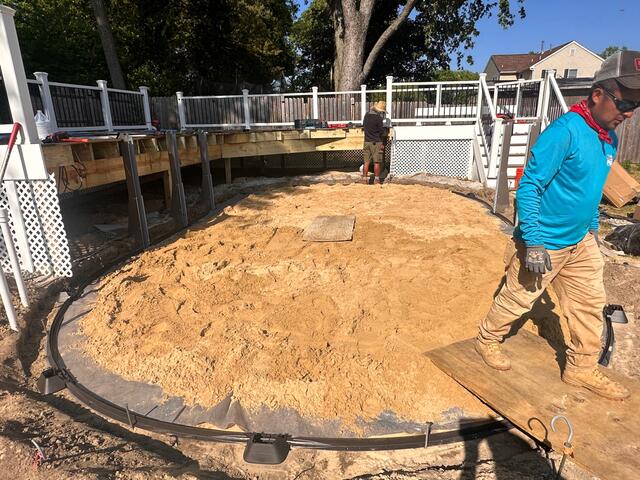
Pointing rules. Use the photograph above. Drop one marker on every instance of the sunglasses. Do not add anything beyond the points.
(623, 106)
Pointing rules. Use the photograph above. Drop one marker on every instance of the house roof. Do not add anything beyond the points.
(518, 62)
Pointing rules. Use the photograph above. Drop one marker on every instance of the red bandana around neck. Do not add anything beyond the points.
(583, 110)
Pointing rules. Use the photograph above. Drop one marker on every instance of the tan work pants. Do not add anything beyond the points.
(577, 280)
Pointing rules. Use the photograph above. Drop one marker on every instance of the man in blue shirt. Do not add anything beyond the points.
(556, 241)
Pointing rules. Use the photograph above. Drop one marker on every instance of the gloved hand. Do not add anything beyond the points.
(595, 235)
(537, 259)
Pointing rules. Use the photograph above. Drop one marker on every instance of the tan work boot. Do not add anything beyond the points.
(493, 355)
(596, 381)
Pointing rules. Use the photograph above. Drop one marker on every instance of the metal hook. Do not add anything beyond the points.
(569, 426)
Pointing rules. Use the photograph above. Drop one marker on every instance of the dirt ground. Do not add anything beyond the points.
(80, 444)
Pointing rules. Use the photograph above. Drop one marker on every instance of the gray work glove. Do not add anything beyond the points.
(595, 235)
(537, 259)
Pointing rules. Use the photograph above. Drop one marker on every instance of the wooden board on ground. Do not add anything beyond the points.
(620, 187)
(606, 440)
(337, 228)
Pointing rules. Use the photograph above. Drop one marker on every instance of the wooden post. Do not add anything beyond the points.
(178, 201)
(324, 160)
(106, 108)
(227, 170)
(137, 218)
(206, 194)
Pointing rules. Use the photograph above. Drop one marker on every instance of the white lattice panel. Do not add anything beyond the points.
(448, 158)
(46, 236)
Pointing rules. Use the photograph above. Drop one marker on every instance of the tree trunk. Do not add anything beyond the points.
(108, 45)
(351, 24)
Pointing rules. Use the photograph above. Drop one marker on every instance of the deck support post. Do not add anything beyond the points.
(206, 194)
(138, 227)
(178, 201)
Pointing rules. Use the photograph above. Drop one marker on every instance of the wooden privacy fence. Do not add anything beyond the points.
(629, 135)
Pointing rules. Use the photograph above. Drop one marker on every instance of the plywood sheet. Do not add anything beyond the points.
(606, 437)
(336, 228)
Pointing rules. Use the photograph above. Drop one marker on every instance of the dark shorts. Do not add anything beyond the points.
(372, 152)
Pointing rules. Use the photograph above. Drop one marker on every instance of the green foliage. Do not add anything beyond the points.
(436, 30)
(59, 37)
(197, 46)
(610, 50)
(454, 75)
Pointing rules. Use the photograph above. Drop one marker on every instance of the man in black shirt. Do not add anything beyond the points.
(374, 132)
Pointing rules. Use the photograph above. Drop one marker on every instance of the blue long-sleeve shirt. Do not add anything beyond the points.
(560, 190)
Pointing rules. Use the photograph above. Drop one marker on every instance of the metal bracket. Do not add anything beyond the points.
(206, 194)
(178, 201)
(266, 449)
(50, 381)
(137, 217)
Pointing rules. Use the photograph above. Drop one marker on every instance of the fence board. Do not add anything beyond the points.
(165, 110)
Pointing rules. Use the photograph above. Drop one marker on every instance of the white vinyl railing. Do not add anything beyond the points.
(520, 100)
(407, 102)
(86, 108)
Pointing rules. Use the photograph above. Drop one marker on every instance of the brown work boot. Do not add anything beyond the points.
(595, 380)
(493, 355)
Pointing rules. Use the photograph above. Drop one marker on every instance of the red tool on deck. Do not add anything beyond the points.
(12, 141)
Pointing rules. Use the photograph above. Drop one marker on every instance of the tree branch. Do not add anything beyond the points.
(384, 38)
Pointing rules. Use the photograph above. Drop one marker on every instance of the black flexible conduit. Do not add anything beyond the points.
(468, 431)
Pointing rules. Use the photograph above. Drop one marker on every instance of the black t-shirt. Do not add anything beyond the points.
(373, 128)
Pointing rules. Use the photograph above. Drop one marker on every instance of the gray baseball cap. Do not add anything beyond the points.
(624, 66)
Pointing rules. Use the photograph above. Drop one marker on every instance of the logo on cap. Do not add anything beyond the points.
(638, 64)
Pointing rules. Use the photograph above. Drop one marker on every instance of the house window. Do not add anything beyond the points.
(570, 73)
(572, 52)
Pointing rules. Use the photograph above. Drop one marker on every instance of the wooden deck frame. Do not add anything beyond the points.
(97, 161)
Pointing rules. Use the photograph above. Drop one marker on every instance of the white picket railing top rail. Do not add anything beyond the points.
(444, 83)
(117, 90)
(344, 92)
(204, 97)
(302, 94)
(517, 82)
(73, 85)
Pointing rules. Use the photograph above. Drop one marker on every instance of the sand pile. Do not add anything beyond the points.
(243, 305)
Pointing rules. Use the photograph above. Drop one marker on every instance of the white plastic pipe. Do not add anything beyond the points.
(13, 257)
(6, 300)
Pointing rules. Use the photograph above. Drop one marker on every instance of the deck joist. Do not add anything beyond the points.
(99, 162)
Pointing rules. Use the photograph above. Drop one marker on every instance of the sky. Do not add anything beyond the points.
(594, 24)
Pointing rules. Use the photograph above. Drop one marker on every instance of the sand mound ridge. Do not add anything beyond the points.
(243, 305)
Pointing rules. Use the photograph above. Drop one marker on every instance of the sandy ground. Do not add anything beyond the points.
(81, 445)
(332, 330)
